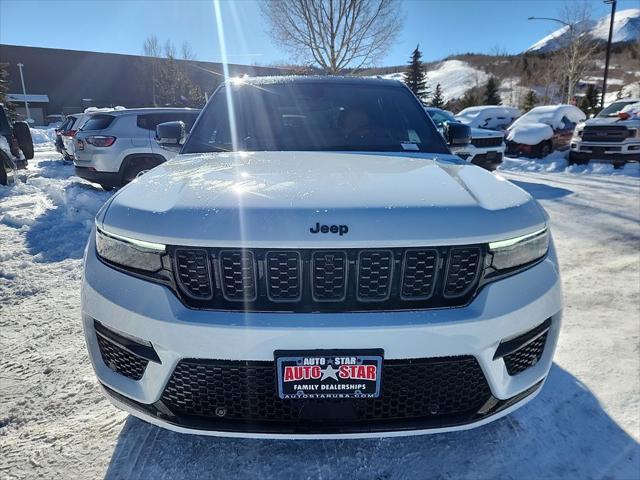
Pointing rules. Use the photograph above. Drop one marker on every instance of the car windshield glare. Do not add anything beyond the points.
(314, 116)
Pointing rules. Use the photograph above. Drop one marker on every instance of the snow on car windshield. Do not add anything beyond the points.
(314, 116)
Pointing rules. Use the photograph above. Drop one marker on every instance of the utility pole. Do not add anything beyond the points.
(606, 62)
(24, 92)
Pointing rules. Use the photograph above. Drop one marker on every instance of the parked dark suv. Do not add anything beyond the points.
(16, 146)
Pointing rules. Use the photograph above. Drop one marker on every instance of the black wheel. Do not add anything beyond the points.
(23, 135)
(136, 168)
(6, 166)
(107, 188)
(544, 149)
(575, 161)
(618, 165)
(3, 173)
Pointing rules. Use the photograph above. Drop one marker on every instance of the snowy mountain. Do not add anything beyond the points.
(626, 28)
(454, 76)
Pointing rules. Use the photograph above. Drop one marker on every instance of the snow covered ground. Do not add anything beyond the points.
(54, 423)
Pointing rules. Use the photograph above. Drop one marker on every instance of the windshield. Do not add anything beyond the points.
(315, 116)
(613, 109)
(439, 117)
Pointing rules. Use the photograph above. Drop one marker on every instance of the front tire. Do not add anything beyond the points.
(543, 149)
(23, 135)
(574, 161)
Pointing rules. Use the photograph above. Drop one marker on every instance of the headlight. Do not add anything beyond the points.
(128, 252)
(518, 251)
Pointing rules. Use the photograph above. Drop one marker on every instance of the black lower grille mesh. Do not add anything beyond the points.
(120, 360)
(526, 357)
(246, 391)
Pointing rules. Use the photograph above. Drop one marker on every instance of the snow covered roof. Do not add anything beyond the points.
(30, 97)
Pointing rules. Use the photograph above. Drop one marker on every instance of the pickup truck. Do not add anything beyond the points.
(611, 136)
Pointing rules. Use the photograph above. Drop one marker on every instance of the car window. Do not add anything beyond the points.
(439, 118)
(150, 121)
(565, 123)
(98, 122)
(315, 116)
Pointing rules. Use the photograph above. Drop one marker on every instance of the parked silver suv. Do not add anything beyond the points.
(114, 147)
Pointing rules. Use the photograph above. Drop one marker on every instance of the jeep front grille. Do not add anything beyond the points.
(309, 280)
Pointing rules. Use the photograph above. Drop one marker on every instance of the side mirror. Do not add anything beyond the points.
(171, 134)
(457, 133)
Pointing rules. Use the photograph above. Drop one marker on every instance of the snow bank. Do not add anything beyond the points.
(530, 133)
(557, 162)
(43, 138)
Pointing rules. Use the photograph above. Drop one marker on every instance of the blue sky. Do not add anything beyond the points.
(441, 27)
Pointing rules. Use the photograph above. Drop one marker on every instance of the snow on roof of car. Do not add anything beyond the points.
(550, 115)
(473, 116)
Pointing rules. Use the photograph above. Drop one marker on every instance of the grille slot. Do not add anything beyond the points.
(462, 271)
(192, 272)
(375, 274)
(482, 142)
(246, 391)
(526, 357)
(120, 360)
(329, 276)
(284, 276)
(419, 274)
(238, 275)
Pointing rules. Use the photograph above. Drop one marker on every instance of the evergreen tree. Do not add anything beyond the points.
(173, 86)
(416, 75)
(589, 103)
(530, 101)
(491, 95)
(470, 99)
(4, 89)
(438, 99)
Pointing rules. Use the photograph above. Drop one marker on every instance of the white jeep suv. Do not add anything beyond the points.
(115, 146)
(315, 263)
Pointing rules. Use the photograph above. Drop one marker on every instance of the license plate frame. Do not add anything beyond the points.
(329, 383)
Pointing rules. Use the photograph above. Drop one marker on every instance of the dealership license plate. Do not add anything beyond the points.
(329, 373)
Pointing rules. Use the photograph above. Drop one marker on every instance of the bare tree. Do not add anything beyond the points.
(186, 52)
(169, 49)
(151, 48)
(577, 45)
(334, 34)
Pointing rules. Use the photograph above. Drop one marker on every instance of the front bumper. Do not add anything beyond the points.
(503, 310)
(605, 152)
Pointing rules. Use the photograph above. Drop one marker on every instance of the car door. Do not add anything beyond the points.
(562, 136)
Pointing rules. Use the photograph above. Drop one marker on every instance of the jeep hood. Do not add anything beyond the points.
(272, 199)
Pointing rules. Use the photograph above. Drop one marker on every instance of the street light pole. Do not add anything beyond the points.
(24, 92)
(606, 62)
